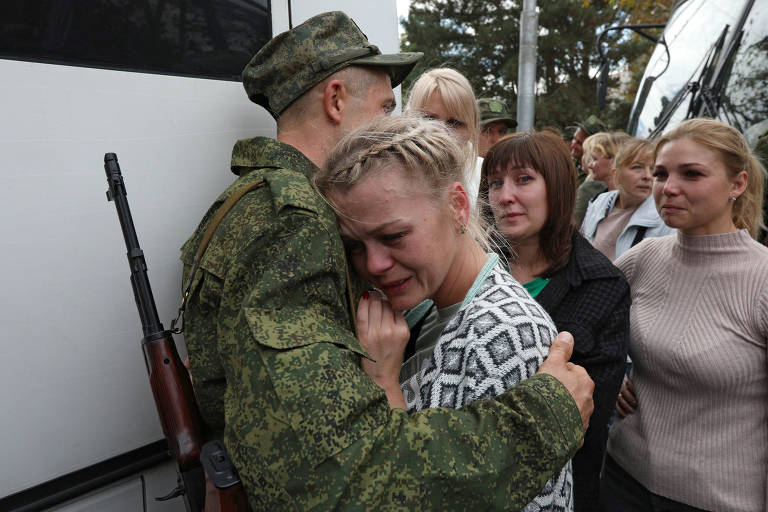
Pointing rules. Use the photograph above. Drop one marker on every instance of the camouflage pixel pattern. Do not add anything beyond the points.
(592, 125)
(492, 109)
(298, 59)
(277, 368)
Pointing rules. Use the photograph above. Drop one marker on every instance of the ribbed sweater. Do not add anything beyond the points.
(698, 331)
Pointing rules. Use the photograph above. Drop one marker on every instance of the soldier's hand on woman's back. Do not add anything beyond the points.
(573, 377)
(384, 334)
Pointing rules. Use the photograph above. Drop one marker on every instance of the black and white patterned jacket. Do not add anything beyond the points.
(499, 337)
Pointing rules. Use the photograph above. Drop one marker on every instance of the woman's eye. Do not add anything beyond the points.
(659, 175)
(495, 183)
(692, 174)
(354, 247)
(524, 179)
(392, 237)
(454, 123)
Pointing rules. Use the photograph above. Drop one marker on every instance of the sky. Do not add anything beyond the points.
(402, 7)
(402, 11)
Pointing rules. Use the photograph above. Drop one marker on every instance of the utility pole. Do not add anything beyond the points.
(526, 69)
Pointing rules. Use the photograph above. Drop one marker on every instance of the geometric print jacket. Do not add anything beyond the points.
(498, 338)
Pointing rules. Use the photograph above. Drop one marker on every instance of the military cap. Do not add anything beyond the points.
(295, 61)
(591, 125)
(492, 110)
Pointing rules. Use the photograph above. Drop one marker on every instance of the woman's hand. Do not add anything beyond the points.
(383, 334)
(627, 401)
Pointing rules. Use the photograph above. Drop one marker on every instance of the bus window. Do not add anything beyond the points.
(204, 38)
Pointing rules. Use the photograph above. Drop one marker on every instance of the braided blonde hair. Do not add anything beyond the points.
(425, 150)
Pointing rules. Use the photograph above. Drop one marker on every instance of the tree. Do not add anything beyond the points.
(481, 40)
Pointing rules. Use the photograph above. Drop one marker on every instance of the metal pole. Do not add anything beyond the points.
(526, 70)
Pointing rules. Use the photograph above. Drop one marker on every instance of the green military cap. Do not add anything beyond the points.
(295, 61)
(592, 125)
(492, 110)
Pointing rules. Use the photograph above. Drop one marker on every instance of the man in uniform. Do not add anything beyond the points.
(495, 121)
(584, 129)
(270, 333)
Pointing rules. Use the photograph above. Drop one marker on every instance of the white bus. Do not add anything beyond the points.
(157, 83)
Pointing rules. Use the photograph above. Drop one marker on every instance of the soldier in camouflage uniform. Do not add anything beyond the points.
(270, 334)
(495, 122)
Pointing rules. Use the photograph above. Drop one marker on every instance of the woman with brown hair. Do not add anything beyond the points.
(694, 413)
(529, 183)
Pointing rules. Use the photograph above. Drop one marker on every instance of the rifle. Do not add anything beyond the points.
(171, 385)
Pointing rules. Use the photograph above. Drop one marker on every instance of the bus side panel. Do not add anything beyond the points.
(71, 366)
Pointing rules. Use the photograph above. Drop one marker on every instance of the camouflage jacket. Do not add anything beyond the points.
(277, 366)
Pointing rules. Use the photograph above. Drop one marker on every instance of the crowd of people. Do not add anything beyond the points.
(374, 303)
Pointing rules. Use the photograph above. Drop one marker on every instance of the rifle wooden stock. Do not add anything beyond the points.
(174, 399)
(223, 500)
(223, 490)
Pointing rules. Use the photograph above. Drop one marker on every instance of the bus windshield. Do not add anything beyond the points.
(745, 98)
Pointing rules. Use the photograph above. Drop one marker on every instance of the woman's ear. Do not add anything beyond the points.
(739, 184)
(458, 199)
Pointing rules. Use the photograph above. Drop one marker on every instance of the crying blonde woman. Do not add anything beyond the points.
(470, 331)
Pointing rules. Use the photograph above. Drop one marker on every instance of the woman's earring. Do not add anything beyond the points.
(733, 198)
(462, 229)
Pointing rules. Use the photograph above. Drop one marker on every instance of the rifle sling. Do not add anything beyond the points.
(220, 214)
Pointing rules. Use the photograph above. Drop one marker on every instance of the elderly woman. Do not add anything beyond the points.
(404, 214)
(599, 151)
(695, 409)
(619, 219)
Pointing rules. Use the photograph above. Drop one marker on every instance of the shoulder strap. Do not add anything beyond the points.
(220, 214)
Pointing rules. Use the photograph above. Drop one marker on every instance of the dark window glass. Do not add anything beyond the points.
(207, 38)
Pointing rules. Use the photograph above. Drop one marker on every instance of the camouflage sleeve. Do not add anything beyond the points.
(307, 428)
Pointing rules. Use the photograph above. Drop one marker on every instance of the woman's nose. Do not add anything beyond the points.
(507, 194)
(378, 259)
(671, 186)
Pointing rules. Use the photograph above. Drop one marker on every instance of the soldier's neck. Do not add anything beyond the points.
(311, 147)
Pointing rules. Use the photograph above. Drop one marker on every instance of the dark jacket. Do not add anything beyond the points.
(589, 298)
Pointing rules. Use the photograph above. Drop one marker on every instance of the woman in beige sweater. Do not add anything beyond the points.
(693, 427)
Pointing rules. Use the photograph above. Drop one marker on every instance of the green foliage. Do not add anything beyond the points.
(481, 40)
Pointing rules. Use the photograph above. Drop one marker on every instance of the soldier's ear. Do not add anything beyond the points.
(334, 100)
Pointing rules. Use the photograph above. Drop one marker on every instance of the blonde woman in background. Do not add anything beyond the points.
(694, 413)
(446, 95)
(619, 219)
(599, 151)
